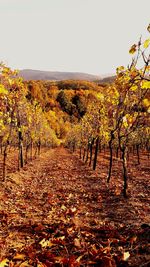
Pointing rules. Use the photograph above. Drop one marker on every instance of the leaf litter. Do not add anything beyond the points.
(58, 212)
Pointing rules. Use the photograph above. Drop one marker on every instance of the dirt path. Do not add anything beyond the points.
(58, 188)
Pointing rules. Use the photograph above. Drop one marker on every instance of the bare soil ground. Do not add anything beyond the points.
(58, 212)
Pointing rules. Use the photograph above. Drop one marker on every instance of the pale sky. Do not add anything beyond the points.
(91, 36)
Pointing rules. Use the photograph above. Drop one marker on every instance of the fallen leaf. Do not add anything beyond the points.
(73, 209)
(79, 258)
(19, 257)
(77, 243)
(63, 207)
(126, 256)
(4, 263)
(45, 243)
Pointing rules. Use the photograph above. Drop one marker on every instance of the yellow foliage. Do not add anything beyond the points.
(125, 123)
(100, 96)
(146, 102)
(120, 69)
(134, 87)
(145, 85)
(3, 90)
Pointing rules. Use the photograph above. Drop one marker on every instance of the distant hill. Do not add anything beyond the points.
(108, 79)
(28, 74)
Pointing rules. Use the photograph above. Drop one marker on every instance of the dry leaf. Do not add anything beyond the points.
(19, 257)
(126, 256)
(77, 243)
(45, 243)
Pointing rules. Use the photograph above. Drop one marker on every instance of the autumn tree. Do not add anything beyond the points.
(128, 112)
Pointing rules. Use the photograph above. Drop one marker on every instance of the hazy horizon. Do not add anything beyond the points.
(88, 36)
(100, 75)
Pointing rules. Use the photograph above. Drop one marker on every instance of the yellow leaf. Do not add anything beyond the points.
(134, 87)
(132, 49)
(45, 243)
(145, 84)
(4, 263)
(125, 123)
(6, 70)
(100, 96)
(79, 258)
(121, 68)
(126, 256)
(3, 90)
(146, 43)
(63, 207)
(146, 102)
(30, 119)
(9, 120)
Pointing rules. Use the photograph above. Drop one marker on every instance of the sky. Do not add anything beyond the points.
(91, 36)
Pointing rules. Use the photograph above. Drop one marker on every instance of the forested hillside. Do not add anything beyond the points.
(55, 75)
(64, 103)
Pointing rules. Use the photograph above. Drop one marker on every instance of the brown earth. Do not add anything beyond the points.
(58, 212)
